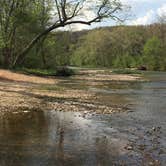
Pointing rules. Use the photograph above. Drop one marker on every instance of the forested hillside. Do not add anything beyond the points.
(113, 47)
(122, 46)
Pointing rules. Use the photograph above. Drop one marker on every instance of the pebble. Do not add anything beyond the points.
(129, 147)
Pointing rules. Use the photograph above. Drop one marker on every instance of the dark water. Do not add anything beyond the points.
(55, 138)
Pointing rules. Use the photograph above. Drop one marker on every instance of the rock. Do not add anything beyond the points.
(129, 147)
(142, 68)
(141, 147)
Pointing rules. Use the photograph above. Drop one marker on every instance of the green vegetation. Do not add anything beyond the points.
(25, 25)
(122, 47)
(111, 47)
(37, 72)
(27, 39)
(60, 71)
(153, 55)
(65, 71)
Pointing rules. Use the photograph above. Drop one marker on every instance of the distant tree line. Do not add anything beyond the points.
(122, 47)
(112, 47)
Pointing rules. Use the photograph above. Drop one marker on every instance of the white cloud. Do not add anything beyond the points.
(149, 16)
(147, 19)
(141, 1)
(162, 10)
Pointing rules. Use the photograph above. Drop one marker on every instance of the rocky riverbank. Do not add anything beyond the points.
(19, 92)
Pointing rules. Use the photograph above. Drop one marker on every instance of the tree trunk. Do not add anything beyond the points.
(20, 58)
(43, 56)
(42, 51)
(6, 57)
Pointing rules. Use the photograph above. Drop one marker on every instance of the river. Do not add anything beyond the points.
(135, 137)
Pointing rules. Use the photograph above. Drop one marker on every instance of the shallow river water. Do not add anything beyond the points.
(136, 137)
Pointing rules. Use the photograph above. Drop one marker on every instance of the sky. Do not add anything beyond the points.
(143, 12)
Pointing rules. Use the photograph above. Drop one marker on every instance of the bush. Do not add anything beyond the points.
(152, 53)
(64, 71)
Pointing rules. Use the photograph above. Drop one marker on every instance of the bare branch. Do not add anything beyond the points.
(58, 10)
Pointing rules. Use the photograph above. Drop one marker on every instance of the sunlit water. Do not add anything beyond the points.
(56, 138)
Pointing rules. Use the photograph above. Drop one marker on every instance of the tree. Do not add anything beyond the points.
(16, 30)
(94, 49)
(72, 12)
(152, 53)
(7, 28)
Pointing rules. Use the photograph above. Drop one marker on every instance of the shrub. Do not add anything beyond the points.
(64, 71)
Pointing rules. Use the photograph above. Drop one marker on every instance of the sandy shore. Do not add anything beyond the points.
(11, 76)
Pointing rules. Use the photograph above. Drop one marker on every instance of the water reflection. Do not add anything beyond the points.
(53, 138)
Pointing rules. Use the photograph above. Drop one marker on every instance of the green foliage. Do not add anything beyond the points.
(111, 47)
(2, 44)
(122, 47)
(59, 71)
(152, 53)
(116, 47)
(20, 21)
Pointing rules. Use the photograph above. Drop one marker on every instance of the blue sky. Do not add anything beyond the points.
(143, 12)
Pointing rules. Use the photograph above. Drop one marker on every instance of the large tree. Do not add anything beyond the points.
(20, 22)
(68, 12)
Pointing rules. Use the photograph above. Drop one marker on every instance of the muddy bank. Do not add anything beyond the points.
(23, 92)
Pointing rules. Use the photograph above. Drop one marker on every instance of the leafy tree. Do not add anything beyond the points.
(152, 53)
(16, 30)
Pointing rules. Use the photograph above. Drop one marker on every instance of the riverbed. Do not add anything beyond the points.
(133, 137)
